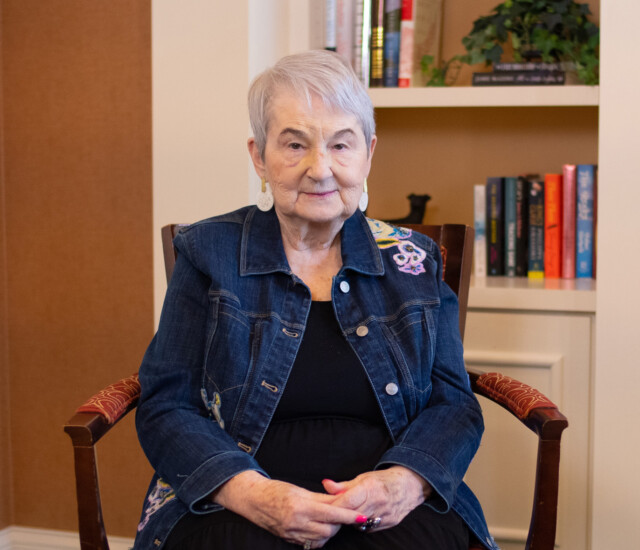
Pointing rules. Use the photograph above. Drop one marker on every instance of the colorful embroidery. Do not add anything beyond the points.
(410, 258)
(161, 494)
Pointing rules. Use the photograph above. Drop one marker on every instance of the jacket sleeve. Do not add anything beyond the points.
(187, 448)
(441, 441)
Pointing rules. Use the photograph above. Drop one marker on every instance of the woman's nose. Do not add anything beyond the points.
(319, 164)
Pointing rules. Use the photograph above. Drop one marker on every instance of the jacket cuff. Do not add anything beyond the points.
(213, 473)
(444, 487)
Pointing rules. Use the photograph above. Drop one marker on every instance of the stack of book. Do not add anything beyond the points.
(384, 40)
(537, 227)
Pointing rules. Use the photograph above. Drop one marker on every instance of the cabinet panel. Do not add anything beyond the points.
(552, 352)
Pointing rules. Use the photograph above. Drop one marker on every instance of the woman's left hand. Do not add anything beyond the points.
(386, 494)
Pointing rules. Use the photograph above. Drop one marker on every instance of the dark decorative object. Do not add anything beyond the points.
(418, 206)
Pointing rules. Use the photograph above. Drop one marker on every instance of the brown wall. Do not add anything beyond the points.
(77, 232)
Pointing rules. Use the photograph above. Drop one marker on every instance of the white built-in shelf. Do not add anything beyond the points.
(486, 96)
(521, 293)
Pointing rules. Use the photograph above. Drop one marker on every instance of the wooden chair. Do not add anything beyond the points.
(102, 411)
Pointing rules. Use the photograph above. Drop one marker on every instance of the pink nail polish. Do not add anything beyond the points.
(361, 519)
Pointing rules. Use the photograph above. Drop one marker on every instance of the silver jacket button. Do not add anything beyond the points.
(362, 330)
(391, 388)
(344, 287)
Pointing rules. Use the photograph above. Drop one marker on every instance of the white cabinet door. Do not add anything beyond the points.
(552, 352)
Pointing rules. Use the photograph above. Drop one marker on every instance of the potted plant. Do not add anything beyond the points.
(551, 31)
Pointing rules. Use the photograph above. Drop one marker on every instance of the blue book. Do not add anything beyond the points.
(510, 185)
(495, 226)
(585, 230)
(391, 44)
(536, 230)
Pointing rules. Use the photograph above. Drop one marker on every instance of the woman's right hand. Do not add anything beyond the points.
(283, 509)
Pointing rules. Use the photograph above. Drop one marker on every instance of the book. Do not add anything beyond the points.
(510, 226)
(536, 229)
(376, 74)
(330, 22)
(391, 42)
(495, 225)
(585, 194)
(362, 34)
(345, 29)
(427, 36)
(522, 226)
(405, 67)
(568, 221)
(519, 78)
(553, 226)
(479, 224)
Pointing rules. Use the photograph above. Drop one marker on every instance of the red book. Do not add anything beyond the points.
(553, 226)
(569, 221)
(406, 44)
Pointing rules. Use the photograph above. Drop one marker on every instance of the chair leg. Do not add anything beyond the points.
(542, 531)
(91, 525)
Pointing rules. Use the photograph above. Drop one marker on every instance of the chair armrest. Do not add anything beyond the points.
(96, 416)
(529, 405)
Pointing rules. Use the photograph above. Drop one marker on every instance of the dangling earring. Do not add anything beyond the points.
(364, 198)
(265, 197)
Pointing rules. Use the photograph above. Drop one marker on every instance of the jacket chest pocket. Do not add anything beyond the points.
(410, 335)
(232, 347)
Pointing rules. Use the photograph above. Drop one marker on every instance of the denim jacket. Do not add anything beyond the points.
(232, 323)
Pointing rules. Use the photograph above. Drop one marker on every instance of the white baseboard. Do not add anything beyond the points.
(30, 538)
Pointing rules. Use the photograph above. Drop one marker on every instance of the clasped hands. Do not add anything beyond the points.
(305, 517)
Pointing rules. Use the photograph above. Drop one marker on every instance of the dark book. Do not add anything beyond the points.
(392, 17)
(376, 76)
(495, 225)
(522, 226)
(519, 78)
(510, 226)
(536, 230)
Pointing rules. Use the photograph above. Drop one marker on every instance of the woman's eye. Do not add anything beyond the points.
(295, 146)
(340, 146)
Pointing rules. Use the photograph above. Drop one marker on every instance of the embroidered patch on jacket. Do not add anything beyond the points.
(409, 257)
(161, 494)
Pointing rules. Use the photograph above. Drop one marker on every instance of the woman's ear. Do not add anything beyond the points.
(256, 158)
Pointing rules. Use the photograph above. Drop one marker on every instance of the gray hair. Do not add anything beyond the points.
(313, 73)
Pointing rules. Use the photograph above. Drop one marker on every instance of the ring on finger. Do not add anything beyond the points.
(307, 545)
(371, 523)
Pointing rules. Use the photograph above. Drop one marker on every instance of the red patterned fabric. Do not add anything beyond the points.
(519, 397)
(112, 402)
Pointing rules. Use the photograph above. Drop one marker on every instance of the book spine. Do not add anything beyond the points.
(365, 41)
(510, 226)
(330, 36)
(376, 77)
(522, 226)
(406, 44)
(344, 32)
(392, 14)
(536, 230)
(495, 225)
(521, 67)
(480, 226)
(569, 221)
(519, 78)
(585, 183)
(427, 36)
(553, 226)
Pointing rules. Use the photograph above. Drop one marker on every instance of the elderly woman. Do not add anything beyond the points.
(306, 385)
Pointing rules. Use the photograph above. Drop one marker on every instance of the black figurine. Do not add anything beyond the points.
(418, 206)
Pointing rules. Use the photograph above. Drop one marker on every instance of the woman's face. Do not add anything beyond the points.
(316, 160)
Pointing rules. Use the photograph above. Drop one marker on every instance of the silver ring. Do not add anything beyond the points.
(371, 523)
(307, 545)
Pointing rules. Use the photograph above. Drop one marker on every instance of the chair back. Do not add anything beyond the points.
(455, 242)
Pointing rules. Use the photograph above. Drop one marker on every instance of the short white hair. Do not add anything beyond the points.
(320, 73)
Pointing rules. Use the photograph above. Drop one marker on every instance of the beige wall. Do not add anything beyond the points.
(75, 244)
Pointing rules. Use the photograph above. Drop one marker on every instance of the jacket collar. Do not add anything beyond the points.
(262, 250)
